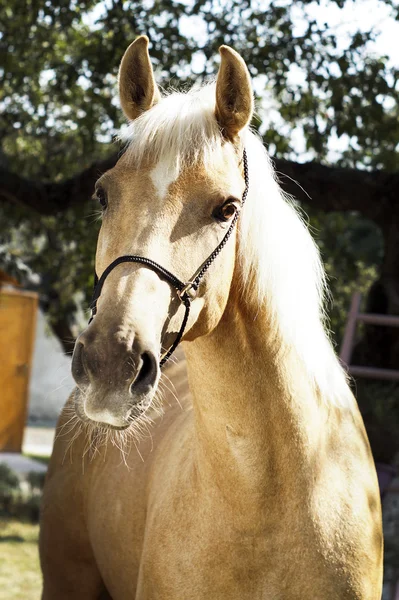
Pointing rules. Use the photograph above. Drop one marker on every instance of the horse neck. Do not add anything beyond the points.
(257, 417)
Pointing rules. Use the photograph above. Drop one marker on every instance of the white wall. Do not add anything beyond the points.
(51, 380)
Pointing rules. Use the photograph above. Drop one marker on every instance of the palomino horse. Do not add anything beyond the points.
(264, 486)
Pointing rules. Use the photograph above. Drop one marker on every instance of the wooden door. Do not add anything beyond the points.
(18, 311)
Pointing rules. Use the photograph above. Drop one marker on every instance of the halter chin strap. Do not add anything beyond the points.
(185, 291)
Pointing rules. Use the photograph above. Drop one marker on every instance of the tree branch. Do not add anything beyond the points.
(52, 198)
(328, 188)
(372, 193)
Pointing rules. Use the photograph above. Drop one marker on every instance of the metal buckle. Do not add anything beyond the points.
(188, 289)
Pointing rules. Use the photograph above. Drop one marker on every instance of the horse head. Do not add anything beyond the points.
(171, 198)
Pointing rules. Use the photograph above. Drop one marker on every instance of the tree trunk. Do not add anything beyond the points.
(63, 331)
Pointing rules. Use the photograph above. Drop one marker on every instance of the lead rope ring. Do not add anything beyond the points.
(184, 290)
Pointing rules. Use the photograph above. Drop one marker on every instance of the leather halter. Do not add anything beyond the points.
(185, 291)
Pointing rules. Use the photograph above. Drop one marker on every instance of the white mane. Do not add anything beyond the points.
(278, 258)
(281, 264)
(181, 128)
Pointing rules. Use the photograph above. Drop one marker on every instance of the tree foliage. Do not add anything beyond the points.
(60, 62)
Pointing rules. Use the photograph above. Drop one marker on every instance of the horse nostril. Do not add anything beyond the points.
(78, 369)
(147, 374)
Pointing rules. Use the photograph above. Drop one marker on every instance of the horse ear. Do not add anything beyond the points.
(234, 98)
(137, 88)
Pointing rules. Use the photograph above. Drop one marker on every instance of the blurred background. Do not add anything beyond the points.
(326, 79)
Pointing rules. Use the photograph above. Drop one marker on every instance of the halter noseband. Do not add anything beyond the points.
(184, 290)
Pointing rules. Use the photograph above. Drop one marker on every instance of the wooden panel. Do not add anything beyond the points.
(18, 311)
(373, 373)
(349, 335)
(374, 319)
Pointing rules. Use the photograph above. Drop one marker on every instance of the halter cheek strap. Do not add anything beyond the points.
(185, 291)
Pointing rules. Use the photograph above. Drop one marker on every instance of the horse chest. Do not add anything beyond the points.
(205, 558)
(223, 569)
(190, 545)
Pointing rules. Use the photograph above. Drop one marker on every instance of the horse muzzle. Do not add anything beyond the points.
(116, 378)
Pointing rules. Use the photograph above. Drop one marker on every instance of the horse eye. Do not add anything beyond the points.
(101, 197)
(226, 211)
